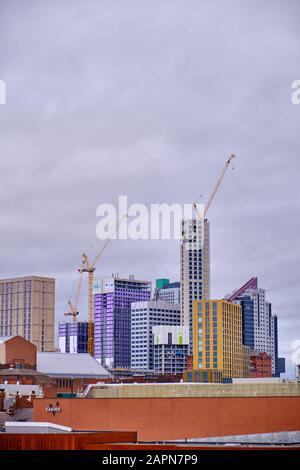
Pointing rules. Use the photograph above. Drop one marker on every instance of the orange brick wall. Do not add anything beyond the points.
(176, 418)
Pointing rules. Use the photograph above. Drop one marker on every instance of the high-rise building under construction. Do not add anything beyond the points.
(194, 268)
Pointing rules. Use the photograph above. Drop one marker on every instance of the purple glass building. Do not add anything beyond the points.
(112, 318)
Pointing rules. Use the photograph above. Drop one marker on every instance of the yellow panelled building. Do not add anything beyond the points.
(217, 337)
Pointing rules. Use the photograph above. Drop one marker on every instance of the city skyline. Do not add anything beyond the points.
(150, 105)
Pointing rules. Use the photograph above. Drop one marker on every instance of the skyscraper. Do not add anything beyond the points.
(27, 309)
(195, 269)
(112, 325)
(144, 316)
(262, 322)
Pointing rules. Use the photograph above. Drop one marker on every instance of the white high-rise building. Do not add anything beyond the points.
(263, 323)
(195, 269)
(145, 315)
(170, 293)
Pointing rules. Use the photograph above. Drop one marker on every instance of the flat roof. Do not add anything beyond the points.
(193, 390)
(22, 389)
(37, 424)
(23, 278)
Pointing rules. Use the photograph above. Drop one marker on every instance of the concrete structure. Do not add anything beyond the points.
(16, 351)
(218, 337)
(73, 337)
(170, 348)
(144, 316)
(27, 309)
(260, 364)
(242, 388)
(260, 326)
(168, 292)
(181, 410)
(195, 269)
(112, 326)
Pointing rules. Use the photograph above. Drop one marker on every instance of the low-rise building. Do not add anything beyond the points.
(16, 351)
(202, 375)
(72, 372)
(260, 364)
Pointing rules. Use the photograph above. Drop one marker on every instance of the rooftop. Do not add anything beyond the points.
(70, 365)
(3, 339)
(19, 372)
(21, 389)
(24, 278)
(193, 390)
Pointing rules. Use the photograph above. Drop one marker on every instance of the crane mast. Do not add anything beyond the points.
(89, 267)
(216, 187)
(73, 308)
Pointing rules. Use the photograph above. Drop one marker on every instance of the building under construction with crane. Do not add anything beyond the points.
(195, 258)
(88, 267)
(195, 282)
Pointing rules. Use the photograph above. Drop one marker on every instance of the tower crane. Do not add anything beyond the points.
(73, 308)
(89, 267)
(216, 187)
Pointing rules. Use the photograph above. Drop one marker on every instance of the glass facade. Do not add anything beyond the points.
(112, 313)
(73, 337)
(247, 305)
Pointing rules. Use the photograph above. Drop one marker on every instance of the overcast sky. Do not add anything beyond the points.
(148, 99)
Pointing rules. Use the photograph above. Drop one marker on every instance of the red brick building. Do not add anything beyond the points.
(16, 351)
(260, 364)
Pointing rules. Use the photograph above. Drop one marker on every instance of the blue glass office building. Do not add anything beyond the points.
(247, 305)
(73, 337)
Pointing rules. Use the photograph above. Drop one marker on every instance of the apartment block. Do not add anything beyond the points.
(218, 337)
(27, 307)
